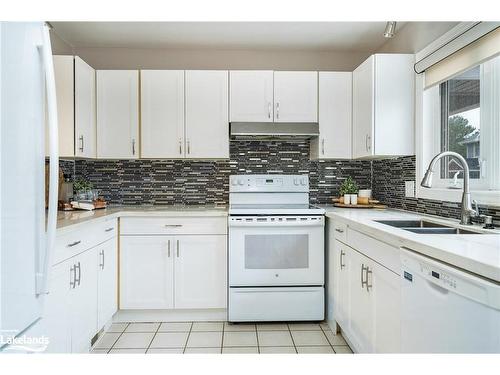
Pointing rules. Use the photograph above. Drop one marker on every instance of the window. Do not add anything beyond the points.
(463, 114)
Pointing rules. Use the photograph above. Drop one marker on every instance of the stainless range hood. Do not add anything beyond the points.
(273, 130)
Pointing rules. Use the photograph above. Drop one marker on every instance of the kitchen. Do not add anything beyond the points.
(209, 192)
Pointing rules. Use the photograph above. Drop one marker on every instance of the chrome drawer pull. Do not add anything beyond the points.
(79, 273)
(72, 277)
(177, 248)
(363, 281)
(339, 230)
(368, 286)
(342, 254)
(173, 225)
(109, 229)
(74, 243)
(168, 248)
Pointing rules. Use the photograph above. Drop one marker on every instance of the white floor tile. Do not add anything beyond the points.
(334, 339)
(239, 327)
(117, 327)
(342, 350)
(204, 340)
(170, 340)
(142, 327)
(127, 351)
(315, 350)
(304, 327)
(134, 340)
(207, 326)
(175, 327)
(240, 350)
(165, 351)
(272, 327)
(240, 339)
(309, 338)
(274, 338)
(203, 350)
(99, 351)
(277, 350)
(107, 340)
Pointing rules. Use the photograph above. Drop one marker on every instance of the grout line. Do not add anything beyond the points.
(152, 339)
(187, 339)
(257, 336)
(118, 338)
(222, 342)
(293, 341)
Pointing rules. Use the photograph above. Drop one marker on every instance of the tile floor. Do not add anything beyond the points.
(220, 337)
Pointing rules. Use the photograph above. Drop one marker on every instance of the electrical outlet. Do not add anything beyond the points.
(410, 189)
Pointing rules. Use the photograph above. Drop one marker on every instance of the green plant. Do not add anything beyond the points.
(82, 186)
(348, 186)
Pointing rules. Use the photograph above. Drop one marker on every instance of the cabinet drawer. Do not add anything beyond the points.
(173, 225)
(73, 241)
(339, 231)
(384, 254)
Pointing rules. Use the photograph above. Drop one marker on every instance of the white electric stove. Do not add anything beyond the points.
(276, 250)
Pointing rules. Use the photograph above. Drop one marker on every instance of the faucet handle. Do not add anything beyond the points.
(476, 207)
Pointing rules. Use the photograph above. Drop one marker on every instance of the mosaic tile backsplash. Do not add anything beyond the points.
(166, 182)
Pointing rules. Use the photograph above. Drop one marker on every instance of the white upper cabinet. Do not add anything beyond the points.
(251, 96)
(162, 114)
(207, 118)
(335, 117)
(383, 106)
(118, 114)
(296, 96)
(85, 114)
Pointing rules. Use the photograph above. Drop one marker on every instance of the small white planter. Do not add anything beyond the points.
(347, 198)
(354, 198)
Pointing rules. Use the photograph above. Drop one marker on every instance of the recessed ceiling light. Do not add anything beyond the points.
(390, 29)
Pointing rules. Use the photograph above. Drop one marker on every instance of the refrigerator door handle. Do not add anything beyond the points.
(50, 86)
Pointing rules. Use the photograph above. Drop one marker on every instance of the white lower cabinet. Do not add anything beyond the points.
(107, 281)
(146, 272)
(366, 299)
(180, 272)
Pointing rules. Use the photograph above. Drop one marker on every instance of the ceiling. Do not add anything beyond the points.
(314, 36)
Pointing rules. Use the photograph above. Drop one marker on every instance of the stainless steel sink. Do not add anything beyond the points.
(425, 227)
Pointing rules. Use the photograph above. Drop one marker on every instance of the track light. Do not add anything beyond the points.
(390, 29)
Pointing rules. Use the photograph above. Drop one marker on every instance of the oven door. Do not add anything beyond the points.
(276, 250)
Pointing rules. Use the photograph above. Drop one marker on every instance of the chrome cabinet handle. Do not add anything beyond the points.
(178, 248)
(368, 272)
(73, 243)
(168, 248)
(173, 225)
(363, 281)
(133, 146)
(101, 255)
(323, 146)
(72, 277)
(342, 254)
(366, 142)
(339, 230)
(79, 273)
(277, 110)
(189, 146)
(81, 143)
(269, 110)
(180, 146)
(109, 229)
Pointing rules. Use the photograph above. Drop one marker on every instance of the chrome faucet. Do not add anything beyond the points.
(467, 211)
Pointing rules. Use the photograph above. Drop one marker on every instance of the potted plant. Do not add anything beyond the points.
(83, 189)
(349, 190)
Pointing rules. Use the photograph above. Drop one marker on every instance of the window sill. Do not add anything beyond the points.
(483, 197)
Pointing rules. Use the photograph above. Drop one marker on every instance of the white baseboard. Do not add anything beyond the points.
(195, 315)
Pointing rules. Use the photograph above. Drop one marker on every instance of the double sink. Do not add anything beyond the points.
(425, 227)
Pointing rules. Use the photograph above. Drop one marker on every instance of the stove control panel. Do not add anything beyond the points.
(269, 183)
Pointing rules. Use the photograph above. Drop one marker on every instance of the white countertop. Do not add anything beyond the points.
(479, 254)
(70, 218)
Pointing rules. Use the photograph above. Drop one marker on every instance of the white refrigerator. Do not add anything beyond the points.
(27, 229)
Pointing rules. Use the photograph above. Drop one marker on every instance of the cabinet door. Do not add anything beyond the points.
(146, 272)
(251, 96)
(117, 114)
(107, 292)
(162, 113)
(85, 120)
(342, 264)
(56, 320)
(386, 298)
(295, 96)
(360, 309)
(63, 74)
(207, 125)
(200, 272)
(83, 301)
(335, 116)
(363, 108)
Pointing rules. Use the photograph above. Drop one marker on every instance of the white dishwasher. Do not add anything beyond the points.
(447, 310)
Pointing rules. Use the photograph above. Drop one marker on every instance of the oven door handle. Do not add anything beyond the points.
(315, 222)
